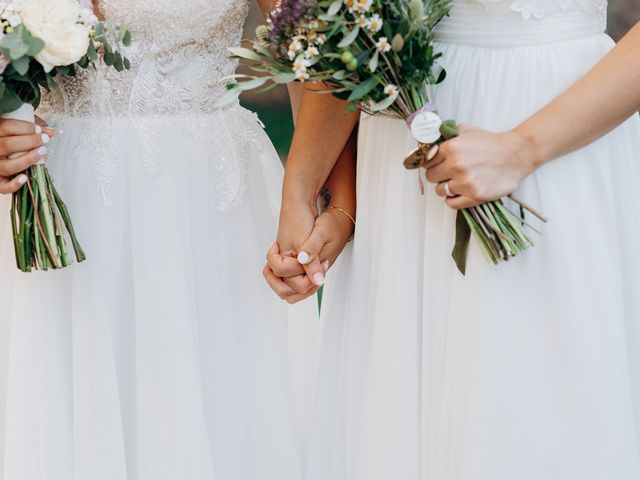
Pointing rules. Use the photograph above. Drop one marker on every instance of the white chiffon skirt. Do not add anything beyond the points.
(529, 370)
(164, 356)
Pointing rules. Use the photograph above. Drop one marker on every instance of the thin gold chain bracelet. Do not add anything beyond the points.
(353, 220)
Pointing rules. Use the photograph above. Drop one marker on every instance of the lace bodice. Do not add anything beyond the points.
(179, 55)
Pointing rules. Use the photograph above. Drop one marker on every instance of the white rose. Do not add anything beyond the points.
(56, 23)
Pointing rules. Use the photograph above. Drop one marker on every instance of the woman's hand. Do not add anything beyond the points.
(297, 219)
(22, 144)
(293, 281)
(480, 166)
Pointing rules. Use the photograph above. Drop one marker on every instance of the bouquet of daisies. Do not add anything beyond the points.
(379, 56)
(41, 40)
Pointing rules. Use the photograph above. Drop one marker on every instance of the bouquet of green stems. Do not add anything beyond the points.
(380, 57)
(42, 40)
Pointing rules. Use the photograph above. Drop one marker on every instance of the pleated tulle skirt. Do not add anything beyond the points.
(529, 370)
(164, 356)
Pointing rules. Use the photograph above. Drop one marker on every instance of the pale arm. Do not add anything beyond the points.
(480, 166)
(595, 105)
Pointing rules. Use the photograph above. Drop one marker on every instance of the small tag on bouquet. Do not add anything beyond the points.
(425, 126)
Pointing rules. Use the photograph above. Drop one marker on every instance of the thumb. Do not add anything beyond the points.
(308, 256)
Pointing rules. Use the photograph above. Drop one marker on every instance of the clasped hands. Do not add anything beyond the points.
(478, 166)
(308, 244)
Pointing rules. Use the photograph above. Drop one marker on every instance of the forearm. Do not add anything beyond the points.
(596, 104)
(322, 131)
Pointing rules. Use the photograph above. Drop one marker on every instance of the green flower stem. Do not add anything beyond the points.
(16, 234)
(80, 255)
(43, 237)
(46, 215)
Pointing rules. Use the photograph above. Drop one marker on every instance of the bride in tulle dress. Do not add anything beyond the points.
(163, 356)
(529, 370)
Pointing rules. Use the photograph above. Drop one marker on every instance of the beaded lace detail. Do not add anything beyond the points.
(179, 57)
(539, 8)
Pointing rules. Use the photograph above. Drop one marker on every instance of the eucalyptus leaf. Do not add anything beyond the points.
(349, 38)
(245, 53)
(341, 75)
(334, 8)
(384, 104)
(364, 88)
(21, 65)
(252, 84)
(284, 78)
(373, 63)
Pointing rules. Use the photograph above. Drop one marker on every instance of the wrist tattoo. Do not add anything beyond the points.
(325, 198)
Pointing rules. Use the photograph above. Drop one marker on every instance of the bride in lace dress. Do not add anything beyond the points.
(525, 371)
(164, 355)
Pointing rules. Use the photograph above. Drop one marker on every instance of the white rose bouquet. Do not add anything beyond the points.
(39, 41)
(379, 56)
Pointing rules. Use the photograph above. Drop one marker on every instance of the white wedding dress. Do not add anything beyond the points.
(525, 371)
(164, 356)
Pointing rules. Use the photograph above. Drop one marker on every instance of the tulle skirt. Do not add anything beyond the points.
(529, 370)
(164, 356)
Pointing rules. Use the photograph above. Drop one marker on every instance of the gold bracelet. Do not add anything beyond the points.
(345, 212)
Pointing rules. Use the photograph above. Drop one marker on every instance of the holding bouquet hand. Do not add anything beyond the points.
(17, 137)
(44, 39)
(476, 176)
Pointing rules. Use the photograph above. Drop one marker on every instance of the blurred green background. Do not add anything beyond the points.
(274, 111)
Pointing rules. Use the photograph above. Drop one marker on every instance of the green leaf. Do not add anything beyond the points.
(384, 104)
(109, 58)
(349, 38)
(252, 84)
(245, 53)
(229, 97)
(14, 45)
(126, 39)
(463, 238)
(334, 8)
(284, 78)
(373, 63)
(118, 64)
(10, 101)
(99, 29)
(92, 53)
(341, 75)
(127, 63)
(364, 88)
(36, 45)
(21, 65)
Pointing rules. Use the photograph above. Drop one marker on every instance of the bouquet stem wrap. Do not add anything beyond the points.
(40, 220)
(500, 234)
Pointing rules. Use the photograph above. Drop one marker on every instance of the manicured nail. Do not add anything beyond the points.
(45, 138)
(38, 129)
(303, 258)
(43, 150)
(22, 179)
(318, 279)
(325, 266)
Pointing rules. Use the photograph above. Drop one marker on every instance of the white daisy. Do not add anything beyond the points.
(375, 23)
(383, 44)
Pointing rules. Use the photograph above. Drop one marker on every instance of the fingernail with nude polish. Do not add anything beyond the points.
(303, 258)
(38, 129)
(43, 151)
(318, 279)
(45, 138)
(22, 179)
(325, 266)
